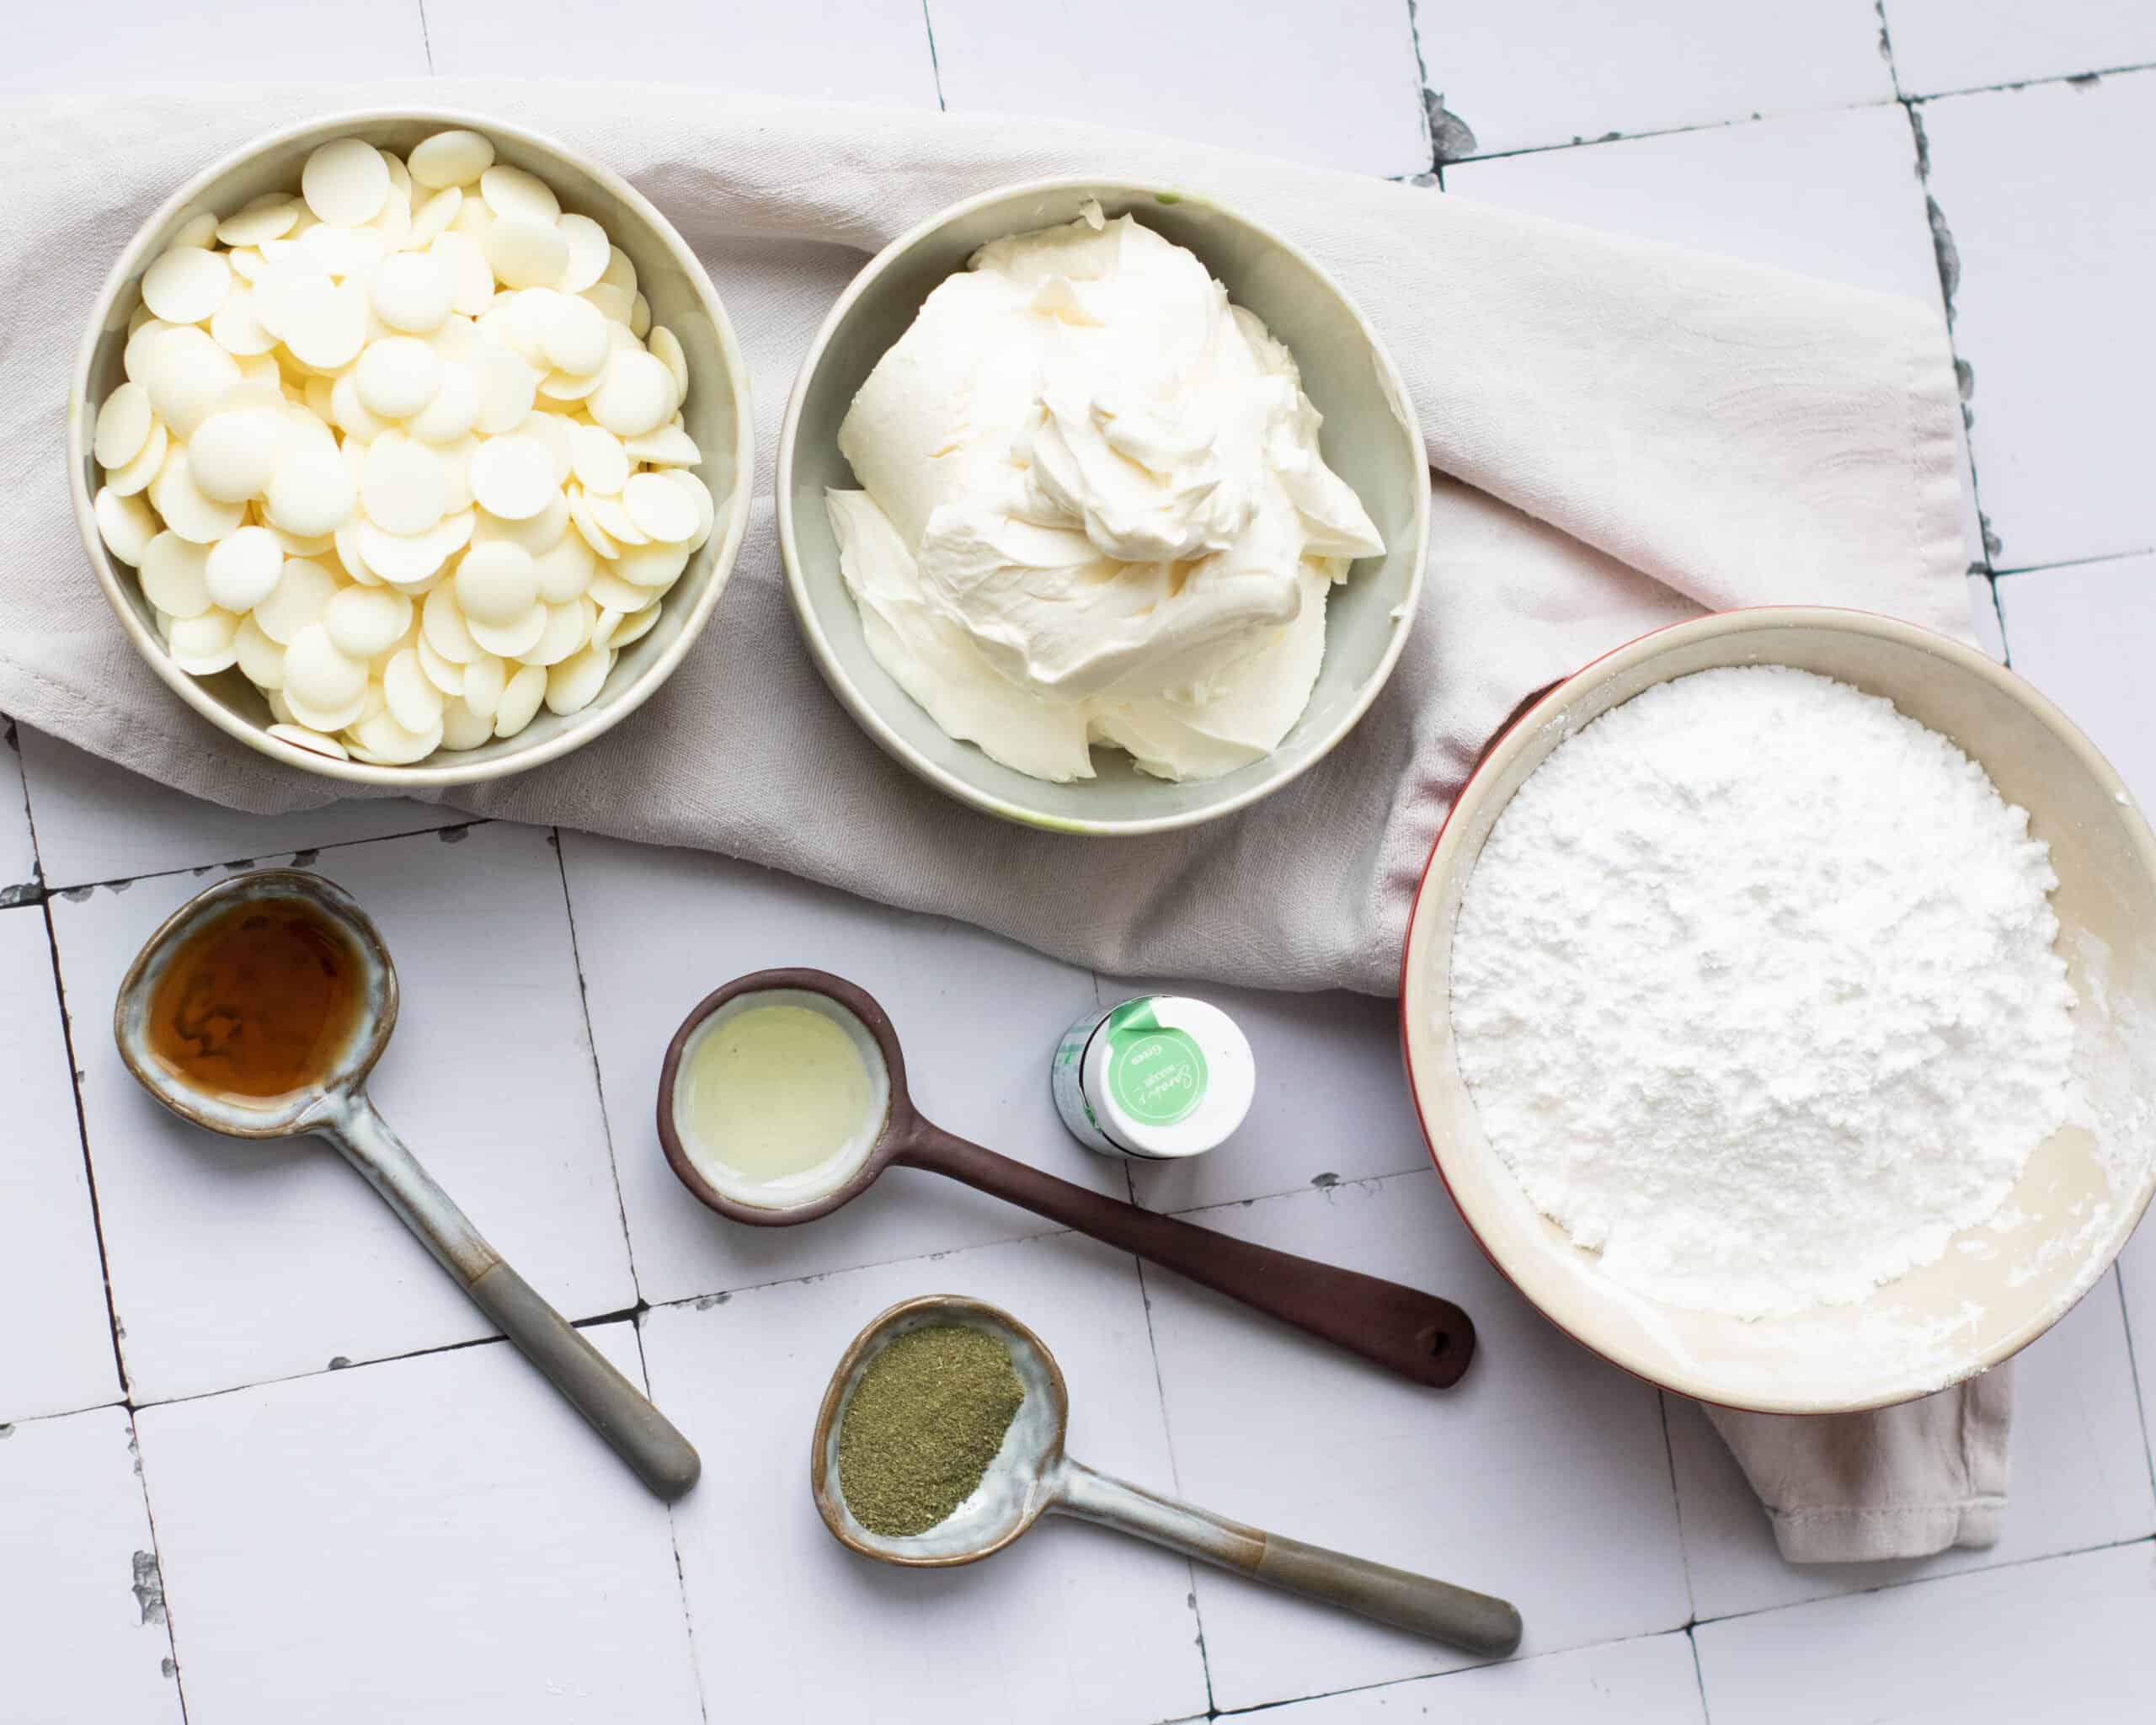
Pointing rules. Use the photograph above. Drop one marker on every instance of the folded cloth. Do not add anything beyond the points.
(1900, 1482)
(1625, 434)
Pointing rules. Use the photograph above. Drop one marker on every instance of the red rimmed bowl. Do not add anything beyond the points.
(2083, 1188)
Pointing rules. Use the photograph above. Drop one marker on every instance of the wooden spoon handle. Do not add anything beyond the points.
(1403, 1329)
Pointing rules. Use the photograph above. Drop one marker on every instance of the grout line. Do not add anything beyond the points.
(1898, 100)
(2076, 562)
(9, 1424)
(592, 1046)
(1932, 1579)
(1175, 1476)
(142, 1404)
(2144, 1393)
(1887, 49)
(627, 1314)
(2031, 83)
(79, 890)
(113, 1327)
(33, 889)
(156, 1556)
(935, 65)
(1948, 261)
(1677, 1503)
(1998, 612)
(426, 38)
(1387, 1683)
(720, 1296)
(674, 1539)
(1423, 80)
(1669, 132)
(1437, 133)
(1700, 1677)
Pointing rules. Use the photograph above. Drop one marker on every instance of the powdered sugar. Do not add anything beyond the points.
(1755, 989)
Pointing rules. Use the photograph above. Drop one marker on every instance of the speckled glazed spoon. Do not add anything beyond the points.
(1417, 1335)
(333, 1104)
(1032, 1477)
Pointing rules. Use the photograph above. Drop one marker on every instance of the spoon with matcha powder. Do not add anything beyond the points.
(939, 1440)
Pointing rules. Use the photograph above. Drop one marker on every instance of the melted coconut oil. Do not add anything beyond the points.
(776, 1103)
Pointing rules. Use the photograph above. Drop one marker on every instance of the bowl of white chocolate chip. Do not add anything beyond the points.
(410, 449)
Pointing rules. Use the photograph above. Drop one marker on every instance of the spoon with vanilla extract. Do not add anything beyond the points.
(258, 1010)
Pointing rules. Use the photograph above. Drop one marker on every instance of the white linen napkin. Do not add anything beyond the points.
(1626, 434)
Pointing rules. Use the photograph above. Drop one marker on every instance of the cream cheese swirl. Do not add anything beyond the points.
(1093, 510)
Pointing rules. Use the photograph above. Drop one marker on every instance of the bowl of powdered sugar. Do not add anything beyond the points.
(1780, 1006)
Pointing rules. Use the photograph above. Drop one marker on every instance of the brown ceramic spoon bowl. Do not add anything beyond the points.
(334, 1105)
(1405, 1330)
(1032, 1475)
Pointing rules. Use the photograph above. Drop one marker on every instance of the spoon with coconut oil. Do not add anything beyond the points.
(258, 1010)
(1031, 1475)
(783, 1096)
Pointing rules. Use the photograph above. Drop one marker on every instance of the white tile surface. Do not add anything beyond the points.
(831, 51)
(1960, 45)
(2046, 193)
(1833, 195)
(1652, 1677)
(2080, 1478)
(1537, 72)
(136, 42)
(96, 821)
(979, 1018)
(449, 1508)
(2067, 1638)
(18, 877)
(78, 1645)
(1339, 94)
(233, 1262)
(439, 1539)
(2079, 634)
(1073, 1623)
(1331, 1103)
(1542, 1477)
(55, 1342)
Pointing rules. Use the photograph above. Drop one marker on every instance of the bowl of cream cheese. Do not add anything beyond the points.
(1102, 506)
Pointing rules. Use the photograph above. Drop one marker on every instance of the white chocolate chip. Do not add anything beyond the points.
(513, 477)
(512, 194)
(241, 569)
(345, 182)
(637, 396)
(187, 284)
(124, 422)
(450, 158)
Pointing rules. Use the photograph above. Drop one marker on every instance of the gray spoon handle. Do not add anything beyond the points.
(617, 1410)
(1415, 1602)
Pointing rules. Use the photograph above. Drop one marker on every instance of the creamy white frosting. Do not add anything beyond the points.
(1094, 510)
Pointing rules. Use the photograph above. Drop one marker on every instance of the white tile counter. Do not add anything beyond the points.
(259, 1462)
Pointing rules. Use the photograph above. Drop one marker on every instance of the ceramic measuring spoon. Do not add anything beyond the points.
(332, 1103)
(1032, 1477)
(1409, 1332)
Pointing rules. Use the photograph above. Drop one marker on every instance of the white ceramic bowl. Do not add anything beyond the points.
(1971, 1308)
(717, 414)
(1370, 438)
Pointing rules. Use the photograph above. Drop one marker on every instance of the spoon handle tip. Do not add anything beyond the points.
(643, 1436)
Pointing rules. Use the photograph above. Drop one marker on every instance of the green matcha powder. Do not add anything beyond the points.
(922, 1425)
